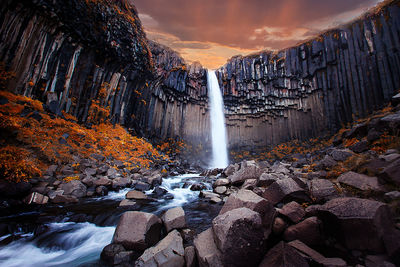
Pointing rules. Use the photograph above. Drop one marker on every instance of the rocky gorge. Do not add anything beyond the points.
(80, 83)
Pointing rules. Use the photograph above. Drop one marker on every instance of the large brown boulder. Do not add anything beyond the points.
(293, 211)
(174, 219)
(322, 190)
(285, 190)
(137, 230)
(239, 236)
(248, 170)
(359, 223)
(391, 173)
(248, 199)
(283, 255)
(74, 188)
(360, 181)
(308, 231)
(207, 252)
(168, 252)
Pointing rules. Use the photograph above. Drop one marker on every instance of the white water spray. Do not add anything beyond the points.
(218, 131)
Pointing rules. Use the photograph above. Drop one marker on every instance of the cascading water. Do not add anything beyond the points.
(218, 131)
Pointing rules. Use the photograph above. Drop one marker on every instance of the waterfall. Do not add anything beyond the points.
(218, 130)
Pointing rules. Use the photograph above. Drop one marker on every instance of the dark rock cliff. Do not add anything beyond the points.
(75, 52)
(81, 51)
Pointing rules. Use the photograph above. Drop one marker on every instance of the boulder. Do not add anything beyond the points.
(220, 190)
(136, 195)
(221, 182)
(360, 181)
(279, 226)
(198, 187)
(394, 195)
(239, 236)
(75, 188)
(168, 252)
(153, 180)
(390, 157)
(101, 191)
(322, 190)
(360, 147)
(349, 219)
(142, 186)
(283, 255)
(190, 257)
(293, 211)
(207, 252)
(108, 253)
(308, 231)
(266, 179)
(174, 219)
(250, 184)
(326, 163)
(90, 171)
(121, 182)
(213, 197)
(279, 167)
(36, 198)
(340, 154)
(315, 256)
(391, 173)
(285, 190)
(102, 181)
(128, 203)
(249, 170)
(137, 230)
(231, 169)
(88, 180)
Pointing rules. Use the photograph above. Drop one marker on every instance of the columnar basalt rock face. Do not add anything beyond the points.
(316, 86)
(73, 52)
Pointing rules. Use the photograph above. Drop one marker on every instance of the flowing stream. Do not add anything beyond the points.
(74, 235)
(218, 130)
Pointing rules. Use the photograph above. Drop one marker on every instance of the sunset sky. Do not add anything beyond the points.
(212, 31)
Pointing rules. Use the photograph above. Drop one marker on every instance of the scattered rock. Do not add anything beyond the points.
(231, 169)
(65, 199)
(285, 190)
(278, 226)
(168, 252)
(128, 203)
(249, 170)
(136, 195)
(266, 179)
(174, 219)
(390, 157)
(340, 154)
(75, 188)
(90, 171)
(220, 190)
(221, 182)
(137, 230)
(239, 237)
(283, 255)
(391, 173)
(36, 198)
(326, 163)
(121, 182)
(360, 181)
(142, 186)
(293, 211)
(190, 257)
(88, 180)
(198, 187)
(158, 191)
(394, 195)
(250, 184)
(102, 181)
(101, 190)
(308, 231)
(322, 190)
(108, 253)
(207, 252)
(360, 147)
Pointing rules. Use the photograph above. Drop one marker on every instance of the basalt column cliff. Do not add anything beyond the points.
(79, 55)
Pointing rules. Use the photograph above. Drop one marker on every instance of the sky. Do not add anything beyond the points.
(212, 31)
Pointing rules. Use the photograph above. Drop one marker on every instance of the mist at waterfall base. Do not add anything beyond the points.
(218, 130)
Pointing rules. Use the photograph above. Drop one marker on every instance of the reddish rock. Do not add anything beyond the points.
(283, 255)
(308, 231)
(207, 252)
(285, 190)
(293, 211)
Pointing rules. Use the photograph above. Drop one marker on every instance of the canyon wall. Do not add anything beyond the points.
(81, 54)
(75, 54)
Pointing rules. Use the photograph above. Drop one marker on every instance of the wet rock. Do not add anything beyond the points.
(308, 231)
(101, 190)
(36, 198)
(136, 195)
(315, 256)
(168, 252)
(198, 187)
(137, 230)
(322, 190)
(360, 181)
(220, 190)
(391, 173)
(65, 199)
(283, 255)
(108, 253)
(350, 218)
(153, 180)
(210, 196)
(207, 252)
(221, 182)
(75, 188)
(120, 182)
(278, 226)
(360, 147)
(174, 219)
(128, 204)
(285, 190)
(158, 191)
(293, 211)
(142, 186)
(239, 236)
(53, 193)
(249, 170)
(190, 257)
(340, 154)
